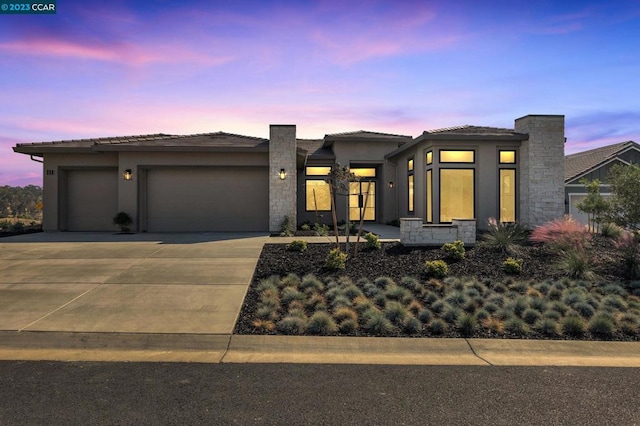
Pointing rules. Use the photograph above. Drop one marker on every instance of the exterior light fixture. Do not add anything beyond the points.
(283, 174)
(391, 184)
(127, 175)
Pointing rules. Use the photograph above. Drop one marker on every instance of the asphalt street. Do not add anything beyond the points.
(155, 393)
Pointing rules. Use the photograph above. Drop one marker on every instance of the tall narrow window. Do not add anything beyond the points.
(507, 195)
(429, 196)
(318, 195)
(456, 194)
(410, 186)
(429, 157)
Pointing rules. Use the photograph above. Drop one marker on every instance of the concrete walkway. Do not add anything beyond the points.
(176, 297)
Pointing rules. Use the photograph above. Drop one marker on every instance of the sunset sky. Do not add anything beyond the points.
(117, 68)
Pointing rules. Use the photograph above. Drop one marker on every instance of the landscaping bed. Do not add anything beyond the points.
(387, 292)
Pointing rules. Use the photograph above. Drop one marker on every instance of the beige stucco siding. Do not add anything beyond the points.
(206, 199)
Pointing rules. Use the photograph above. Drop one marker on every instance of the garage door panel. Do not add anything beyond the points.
(92, 199)
(208, 199)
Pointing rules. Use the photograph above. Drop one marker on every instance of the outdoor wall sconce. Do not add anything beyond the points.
(127, 175)
(283, 174)
(391, 185)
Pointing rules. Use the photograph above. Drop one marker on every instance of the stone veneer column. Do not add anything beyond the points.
(541, 168)
(282, 193)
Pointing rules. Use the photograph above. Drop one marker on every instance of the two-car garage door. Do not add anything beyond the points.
(181, 199)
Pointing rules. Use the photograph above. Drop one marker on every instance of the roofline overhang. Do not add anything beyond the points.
(426, 136)
(133, 148)
(634, 146)
(330, 140)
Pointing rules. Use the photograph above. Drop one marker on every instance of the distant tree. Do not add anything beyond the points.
(625, 200)
(594, 205)
(21, 202)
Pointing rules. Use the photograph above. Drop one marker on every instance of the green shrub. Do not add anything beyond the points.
(411, 283)
(438, 326)
(412, 325)
(438, 306)
(292, 325)
(425, 315)
(19, 227)
(373, 242)
(451, 314)
(454, 251)
(559, 307)
(396, 312)
(436, 268)
(547, 327)
(267, 313)
(575, 263)
(305, 227)
(348, 326)
(584, 309)
(555, 294)
(537, 303)
(491, 307)
(344, 312)
(572, 326)
(352, 291)
(615, 302)
(384, 282)
(504, 314)
(311, 284)
(398, 293)
(601, 325)
(482, 314)
(512, 266)
(289, 294)
(269, 283)
(336, 259)
(530, 316)
(321, 229)
(628, 324)
(290, 280)
(456, 299)
(515, 326)
(321, 323)
(610, 230)
(629, 246)
(122, 220)
(376, 323)
(504, 236)
(340, 301)
(551, 314)
(518, 305)
(614, 289)
(297, 245)
(362, 304)
(467, 325)
(287, 227)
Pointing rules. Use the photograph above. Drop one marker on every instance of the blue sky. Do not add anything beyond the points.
(118, 68)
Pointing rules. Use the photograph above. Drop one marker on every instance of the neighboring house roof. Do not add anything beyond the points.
(584, 162)
(464, 132)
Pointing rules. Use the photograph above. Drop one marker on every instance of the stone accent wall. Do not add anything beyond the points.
(541, 168)
(282, 193)
(413, 232)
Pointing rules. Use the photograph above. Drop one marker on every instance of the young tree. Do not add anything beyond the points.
(625, 202)
(594, 205)
(338, 179)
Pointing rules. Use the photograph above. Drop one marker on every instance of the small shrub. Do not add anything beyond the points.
(377, 323)
(629, 246)
(537, 303)
(572, 326)
(456, 299)
(266, 313)
(438, 306)
(493, 324)
(287, 227)
(362, 304)
(551, 314)
(482, 314)
(373, 242)
(19, 227)
(451, 314)
(310, 284)
(584, 309)
(530, 316)
(491, 307)
(398, 293)
(547, 327)
(610, 230)
(344, 312)
(384, 282)
(414, 307)
(396, 312)
(436, 268)
(562, 235)
(615, 302)
(289, 294)
(467, 325)
(340, 301)
(411, 283)
(305, 227)
(555, 294)
(518, 305)
(425, 315)
(559, 307)
(454, 251)
(316, 302)
(575, 264)
(515, 326)
(336, 259)
(348, 326)
(290, 280)
(321, 229)
(292, 325)
(263, 326)
(321, 323)
(601, 325)
(438, 326)
(412, 325)
(614, 289)
(504, 314)
(122, 220)
(504, 236)
(512, 266)
(297, 245)
(628, 324)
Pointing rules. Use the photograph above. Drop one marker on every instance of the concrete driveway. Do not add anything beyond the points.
(138, 283)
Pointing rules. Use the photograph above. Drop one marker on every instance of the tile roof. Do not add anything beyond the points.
(472, 130)
(583, 162)
(315, 148)
(365, 134)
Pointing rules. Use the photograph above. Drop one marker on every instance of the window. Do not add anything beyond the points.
(411, 193)
(410, 165)
(429, 157)
(456, 194)
(507, 195)
(429, 196)
(457, 156)
(507, 157)
(318, 195)
(318, 170)
(364, 171)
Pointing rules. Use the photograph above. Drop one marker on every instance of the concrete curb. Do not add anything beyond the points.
(208, 348)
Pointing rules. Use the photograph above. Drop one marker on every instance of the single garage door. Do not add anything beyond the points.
(207, 199)
(92, 199)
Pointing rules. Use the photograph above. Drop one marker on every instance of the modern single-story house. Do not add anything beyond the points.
(227, 182)
(594, 164)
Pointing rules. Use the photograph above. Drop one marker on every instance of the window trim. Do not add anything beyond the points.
(472, 151)
(473, 170)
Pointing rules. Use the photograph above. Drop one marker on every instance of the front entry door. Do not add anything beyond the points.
(357, 197)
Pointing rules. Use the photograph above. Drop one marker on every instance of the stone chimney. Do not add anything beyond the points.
(541, 168)
(282, 158)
